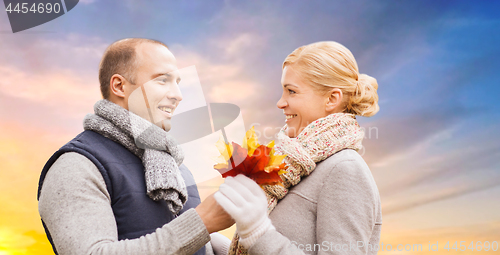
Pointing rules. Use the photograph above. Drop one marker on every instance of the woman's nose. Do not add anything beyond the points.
(281, 103)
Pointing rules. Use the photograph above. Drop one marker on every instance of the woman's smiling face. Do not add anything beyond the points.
(300, 102)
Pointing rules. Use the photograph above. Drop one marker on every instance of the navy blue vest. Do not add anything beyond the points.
(136, 214)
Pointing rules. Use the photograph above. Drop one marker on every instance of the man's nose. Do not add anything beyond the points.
(175, 94)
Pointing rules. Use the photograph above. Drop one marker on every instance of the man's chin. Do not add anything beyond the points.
(164, 124)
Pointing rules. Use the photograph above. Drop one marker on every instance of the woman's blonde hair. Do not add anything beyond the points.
(327, 65)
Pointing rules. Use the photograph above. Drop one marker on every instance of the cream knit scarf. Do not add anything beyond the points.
(318, 141)
(160, 154)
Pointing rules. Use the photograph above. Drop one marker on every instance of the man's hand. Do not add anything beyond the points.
(213, 215)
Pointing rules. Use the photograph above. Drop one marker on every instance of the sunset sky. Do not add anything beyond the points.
(433, 148)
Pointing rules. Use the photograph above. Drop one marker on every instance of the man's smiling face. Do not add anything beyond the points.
(156, 93)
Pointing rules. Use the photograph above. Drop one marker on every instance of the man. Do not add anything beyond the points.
(119, 186)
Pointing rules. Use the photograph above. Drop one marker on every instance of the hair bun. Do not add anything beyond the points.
(364, 100)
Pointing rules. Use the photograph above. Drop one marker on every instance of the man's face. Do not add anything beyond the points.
(156, 93)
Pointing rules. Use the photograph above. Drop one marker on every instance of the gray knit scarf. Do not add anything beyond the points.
(160, 154)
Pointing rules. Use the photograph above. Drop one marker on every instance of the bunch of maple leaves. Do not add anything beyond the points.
(258, 162)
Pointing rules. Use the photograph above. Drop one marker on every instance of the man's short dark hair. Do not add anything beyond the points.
(120, 58)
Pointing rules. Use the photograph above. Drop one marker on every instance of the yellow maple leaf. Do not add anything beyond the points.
(256, 161)
(226, 151)
(250, 141)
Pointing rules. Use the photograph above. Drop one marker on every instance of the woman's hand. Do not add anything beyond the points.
(246, 202)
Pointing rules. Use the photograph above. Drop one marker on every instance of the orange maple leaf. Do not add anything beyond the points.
(255, 161)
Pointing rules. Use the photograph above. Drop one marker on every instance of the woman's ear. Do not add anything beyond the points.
(334, 101)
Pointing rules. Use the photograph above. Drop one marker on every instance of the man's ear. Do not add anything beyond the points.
(334, 100)
(116, 86)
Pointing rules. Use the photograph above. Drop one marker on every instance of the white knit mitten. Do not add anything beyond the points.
(246, 202)
(220, 243)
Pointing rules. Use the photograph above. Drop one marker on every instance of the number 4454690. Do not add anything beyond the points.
(473, 246)
(34, 8)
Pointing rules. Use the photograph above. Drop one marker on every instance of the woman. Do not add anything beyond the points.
(329, 203)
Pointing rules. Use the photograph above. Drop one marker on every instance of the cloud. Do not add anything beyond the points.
(23, 152)
(241, 44)
(87, 1)
(224, 82)
(477, 233)
(437, 166)
(57, 89)
(38, 54)
(30, 242)
(439, 195)
(50, 83)
(397, 134)
(48, 101)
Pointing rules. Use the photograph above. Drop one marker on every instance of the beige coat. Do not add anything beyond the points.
(335, 210)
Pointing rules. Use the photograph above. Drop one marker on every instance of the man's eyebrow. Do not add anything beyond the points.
(157, 75)
(161, 74)
(168, 75)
